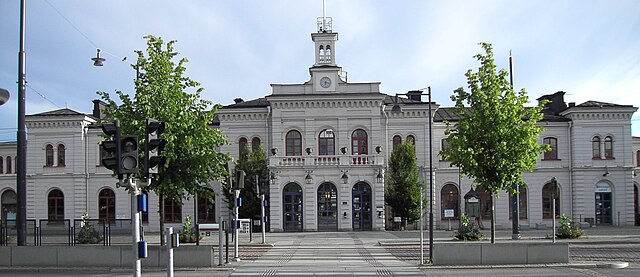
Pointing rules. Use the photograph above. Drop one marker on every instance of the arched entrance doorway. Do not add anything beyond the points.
(449, 202)
(9, 202)
(327, 207)
(603, 204)
(361, 208)
(292, 212)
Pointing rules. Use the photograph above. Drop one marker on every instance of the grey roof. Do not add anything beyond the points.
(448, 114)
(443, 114)
(597, 104)
(255, 103)
(64, 111)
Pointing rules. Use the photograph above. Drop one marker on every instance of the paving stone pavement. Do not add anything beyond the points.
(327, 254)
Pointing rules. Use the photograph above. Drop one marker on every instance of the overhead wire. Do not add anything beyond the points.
(43, 96)
(81, 33)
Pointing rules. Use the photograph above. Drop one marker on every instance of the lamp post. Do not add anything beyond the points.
(21, 163)
(396, 109)
(515, 198)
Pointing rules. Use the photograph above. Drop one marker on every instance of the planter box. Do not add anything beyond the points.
(481, 253)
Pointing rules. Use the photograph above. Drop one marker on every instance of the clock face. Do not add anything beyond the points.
(325, 82)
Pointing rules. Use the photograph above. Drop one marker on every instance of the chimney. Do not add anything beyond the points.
(98, 108)
(572, 104)
(415, 95)
(238, 100)
(556, 103)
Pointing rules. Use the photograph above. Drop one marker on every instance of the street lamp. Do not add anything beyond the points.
(397, 109)
(4, 96)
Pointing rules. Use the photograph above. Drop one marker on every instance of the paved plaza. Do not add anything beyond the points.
(389, 254)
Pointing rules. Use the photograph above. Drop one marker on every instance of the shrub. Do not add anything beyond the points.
(188, 234)
(88, 233)
(467, 231)
(567, 229)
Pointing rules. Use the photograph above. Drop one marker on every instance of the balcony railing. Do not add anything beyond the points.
(326, 160)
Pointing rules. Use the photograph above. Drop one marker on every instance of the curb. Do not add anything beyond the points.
(108, 269)
(612, 265)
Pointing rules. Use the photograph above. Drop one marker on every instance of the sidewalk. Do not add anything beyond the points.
(608, 234)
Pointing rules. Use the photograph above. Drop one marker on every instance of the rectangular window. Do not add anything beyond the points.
(172, 211)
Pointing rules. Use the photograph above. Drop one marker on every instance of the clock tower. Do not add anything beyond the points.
(325, 74)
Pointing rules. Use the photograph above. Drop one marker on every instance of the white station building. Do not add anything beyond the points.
(328, 143)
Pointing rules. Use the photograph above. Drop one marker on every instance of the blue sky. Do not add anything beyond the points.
(589, 49)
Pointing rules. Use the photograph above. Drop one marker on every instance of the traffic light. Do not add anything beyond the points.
(128, 154)
(111, 148)
(240, 174)
(153, 146)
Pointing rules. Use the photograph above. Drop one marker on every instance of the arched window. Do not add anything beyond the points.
(595, 147)
(206, 210)
(553, 153)
(294, 143)
(327, 54)
(61, 155)
(255, 143)
(321, 53)
(1, 165)
(449, 200)
(547, 200)
(608, 147)
(9, 208)
(242, 143)
(397, 140)
(107, 205)
(326, 142)
(172, 211)
(359, 142)
(55, 205)
(48, 155)
(8, 164)
(411, 139)
(485, 203)
(522, 203)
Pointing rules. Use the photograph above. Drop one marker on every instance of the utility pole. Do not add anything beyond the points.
(21, 163)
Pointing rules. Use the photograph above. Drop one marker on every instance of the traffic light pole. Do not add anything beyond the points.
(236, 223)
(262, 219)
(135, 233)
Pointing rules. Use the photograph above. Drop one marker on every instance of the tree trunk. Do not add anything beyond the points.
(493, 219)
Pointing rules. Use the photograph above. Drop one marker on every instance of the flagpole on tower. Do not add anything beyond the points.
(324, 22)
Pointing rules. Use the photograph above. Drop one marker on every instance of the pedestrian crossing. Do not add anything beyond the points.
(341, 255)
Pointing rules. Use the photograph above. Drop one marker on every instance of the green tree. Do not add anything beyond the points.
(254, 163)
(495, 140)
(403, 189)
(163, 92)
